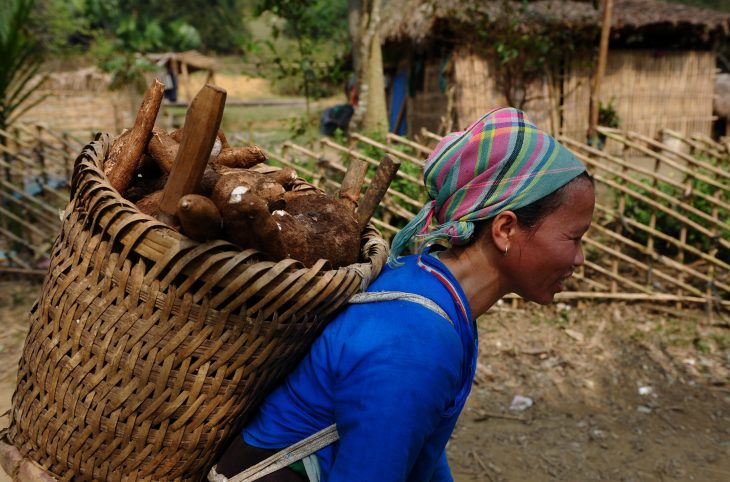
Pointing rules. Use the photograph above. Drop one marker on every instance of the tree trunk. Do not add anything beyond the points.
(354, 16)
(376, 115)
(371, 111)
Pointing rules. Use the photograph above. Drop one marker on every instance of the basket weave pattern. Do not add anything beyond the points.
(146, 348)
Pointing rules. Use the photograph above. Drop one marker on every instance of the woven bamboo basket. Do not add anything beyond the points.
(147, 349)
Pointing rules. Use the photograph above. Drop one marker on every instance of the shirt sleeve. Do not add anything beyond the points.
(395, 376)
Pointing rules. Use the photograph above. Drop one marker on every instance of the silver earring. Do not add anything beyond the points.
(506, 248)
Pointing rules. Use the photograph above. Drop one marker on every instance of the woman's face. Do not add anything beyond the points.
(539, 261)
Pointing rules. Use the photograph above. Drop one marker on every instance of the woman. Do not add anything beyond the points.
(510, 206)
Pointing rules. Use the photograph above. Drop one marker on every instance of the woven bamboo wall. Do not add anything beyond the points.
(477, 92)
(650, 90)
(429, 106)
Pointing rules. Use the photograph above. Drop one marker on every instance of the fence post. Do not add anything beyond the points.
(711, 271)
(40, 155)
(67, 156)
(5, 142)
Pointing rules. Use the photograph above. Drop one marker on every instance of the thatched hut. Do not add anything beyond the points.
(660, 70)
(82, 101)
(177, 67)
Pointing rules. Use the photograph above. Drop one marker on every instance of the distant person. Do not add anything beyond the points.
(336, 117)
(509, 207)
(170, 81)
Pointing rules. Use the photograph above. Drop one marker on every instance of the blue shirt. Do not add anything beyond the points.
(393, 375)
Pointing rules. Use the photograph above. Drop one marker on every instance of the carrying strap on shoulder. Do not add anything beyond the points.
(373, 296)
(323, 438)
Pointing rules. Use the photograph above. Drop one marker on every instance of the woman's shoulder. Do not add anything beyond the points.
(394, 325)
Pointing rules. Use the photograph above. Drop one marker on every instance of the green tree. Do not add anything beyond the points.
(154, 25)
(313, 26)
(20, 63)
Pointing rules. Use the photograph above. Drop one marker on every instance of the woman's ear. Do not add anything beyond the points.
(504, 226)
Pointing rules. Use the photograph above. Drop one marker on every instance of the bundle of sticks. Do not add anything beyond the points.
(195, 182)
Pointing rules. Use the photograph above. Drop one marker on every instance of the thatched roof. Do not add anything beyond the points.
(192, 58)
(87, 79)
(415, 19)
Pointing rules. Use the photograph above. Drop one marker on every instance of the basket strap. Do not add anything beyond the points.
(323, 438)
(373, 296)
(281, 459)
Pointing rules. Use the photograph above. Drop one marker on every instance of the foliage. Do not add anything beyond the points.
(19, 63)
(153, 25)
(607, 115)
(312, 26)
(126, 68)
(667, 224)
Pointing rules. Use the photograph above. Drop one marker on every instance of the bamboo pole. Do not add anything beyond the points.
(430, 135)
(654, 144)
(388, 149)
(600, 70)
(652, 297)
(355, 153)
(63, 197)
(643, 266)
(672, 201)
(407, 142)
(670, 162)
(668, 262)
(713, 200)
(617, 277)
(40, 216)
(52, 213)
(660, 195)
(700, 254)
(692, 144)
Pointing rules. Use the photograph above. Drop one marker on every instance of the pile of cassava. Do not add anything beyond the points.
(236, 199)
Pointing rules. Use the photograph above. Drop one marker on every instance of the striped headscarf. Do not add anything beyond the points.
(501, 162)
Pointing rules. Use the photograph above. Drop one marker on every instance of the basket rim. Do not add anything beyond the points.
(89, 179)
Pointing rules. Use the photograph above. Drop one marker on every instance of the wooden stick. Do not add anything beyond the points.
(415, 145)
(199, 133)
(388, 149)
(352, 183)
(378, 187)
(128, 148)
(600, 69)
(487, 415)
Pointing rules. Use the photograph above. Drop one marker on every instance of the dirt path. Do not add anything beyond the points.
(620, 393)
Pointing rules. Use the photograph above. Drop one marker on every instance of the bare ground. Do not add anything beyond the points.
(620, 392)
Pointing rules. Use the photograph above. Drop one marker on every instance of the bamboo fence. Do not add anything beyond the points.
(35, 166)
(661, 228)
(660, 231)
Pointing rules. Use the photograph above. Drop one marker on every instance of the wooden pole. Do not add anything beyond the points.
(600, 70)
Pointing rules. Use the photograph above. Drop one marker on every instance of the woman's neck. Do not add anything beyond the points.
(477, 276)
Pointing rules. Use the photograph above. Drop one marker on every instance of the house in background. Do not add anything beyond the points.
(660, 71)
(176, 68)
(82, 102)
